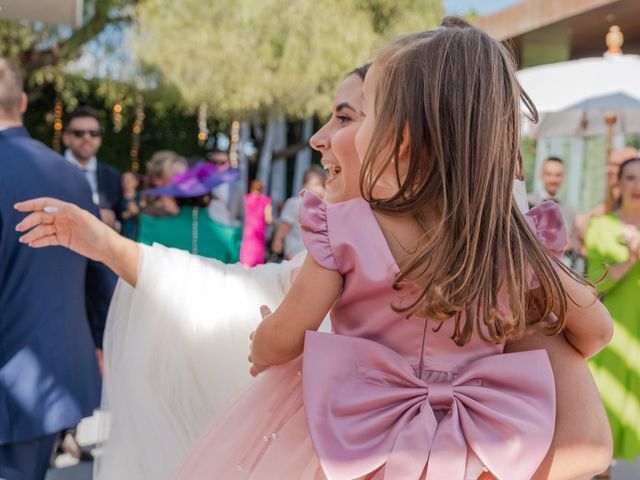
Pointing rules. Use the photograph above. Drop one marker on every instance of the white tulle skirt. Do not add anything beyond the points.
(175, 352)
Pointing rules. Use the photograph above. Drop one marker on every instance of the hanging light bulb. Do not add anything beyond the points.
(138, 124)
(203, 130)
(58, 111)
(116, 115)
(233, 148)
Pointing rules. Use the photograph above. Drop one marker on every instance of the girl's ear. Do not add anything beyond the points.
(405, 145)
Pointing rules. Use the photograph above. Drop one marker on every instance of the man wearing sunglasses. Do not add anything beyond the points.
(83, 137)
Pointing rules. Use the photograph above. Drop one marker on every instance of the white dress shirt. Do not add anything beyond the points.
(90, 171)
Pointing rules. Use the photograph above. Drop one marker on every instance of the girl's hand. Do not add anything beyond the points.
(631, 238)
(257, 367)
(54, 222)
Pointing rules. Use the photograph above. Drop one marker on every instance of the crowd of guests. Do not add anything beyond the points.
(604, 245)
(124, 206)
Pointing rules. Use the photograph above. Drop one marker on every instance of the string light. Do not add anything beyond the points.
(116, 116)
(233, 148)
(138, 125)
(203, 130)
(58, 111)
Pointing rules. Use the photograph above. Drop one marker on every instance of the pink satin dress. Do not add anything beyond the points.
(253, 235)
(385, 397)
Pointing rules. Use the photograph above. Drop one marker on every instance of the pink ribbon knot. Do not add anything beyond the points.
(367, 409)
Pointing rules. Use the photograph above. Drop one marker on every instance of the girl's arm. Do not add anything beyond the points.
(279, 338)
(588, 325)
(53, 222)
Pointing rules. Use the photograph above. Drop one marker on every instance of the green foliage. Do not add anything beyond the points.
(472, 15)
(15, 38)
(241, 57)
(45, 51)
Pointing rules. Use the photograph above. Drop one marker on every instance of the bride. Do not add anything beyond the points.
(178, 329)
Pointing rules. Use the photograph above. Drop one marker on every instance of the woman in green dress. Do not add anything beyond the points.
(613, 244)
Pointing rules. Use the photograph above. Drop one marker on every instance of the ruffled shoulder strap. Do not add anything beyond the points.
(546, 221)
(315, 233)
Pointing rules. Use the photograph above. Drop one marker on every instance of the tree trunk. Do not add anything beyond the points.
(303, 157)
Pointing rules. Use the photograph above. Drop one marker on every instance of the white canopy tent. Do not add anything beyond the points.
(616, 113)
(578, 99)
(57, 12)
(557, 86)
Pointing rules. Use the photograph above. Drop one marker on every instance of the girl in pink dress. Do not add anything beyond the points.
(257, 214)
(426, 281)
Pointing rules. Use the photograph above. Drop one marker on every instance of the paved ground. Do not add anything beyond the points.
(68, 468)
(83, 471)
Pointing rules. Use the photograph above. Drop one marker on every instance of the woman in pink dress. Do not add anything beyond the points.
(257, 215)
(427, 283)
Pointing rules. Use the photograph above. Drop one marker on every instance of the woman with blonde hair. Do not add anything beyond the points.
(160, 169)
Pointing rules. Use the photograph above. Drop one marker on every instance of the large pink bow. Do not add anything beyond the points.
(367, 408)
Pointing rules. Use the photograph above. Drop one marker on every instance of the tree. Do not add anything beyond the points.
(44, 51)
(245, 57)
(36, 45)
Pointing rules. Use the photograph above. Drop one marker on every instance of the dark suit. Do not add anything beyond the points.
(110, 188)
(49, 378)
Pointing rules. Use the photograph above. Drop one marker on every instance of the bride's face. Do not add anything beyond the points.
(336, 142)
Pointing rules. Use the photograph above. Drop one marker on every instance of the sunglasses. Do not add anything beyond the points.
(82, 133)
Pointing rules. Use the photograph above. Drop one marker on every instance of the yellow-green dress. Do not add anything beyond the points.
(616, 369)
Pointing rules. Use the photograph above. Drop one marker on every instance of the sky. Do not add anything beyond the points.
(483, 7)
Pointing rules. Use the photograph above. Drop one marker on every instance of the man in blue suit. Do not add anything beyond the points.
(82, 136)
(49, 377)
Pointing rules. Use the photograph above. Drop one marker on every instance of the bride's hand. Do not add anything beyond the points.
(54, 222)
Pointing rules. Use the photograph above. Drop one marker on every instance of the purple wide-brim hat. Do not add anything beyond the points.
(199, 180)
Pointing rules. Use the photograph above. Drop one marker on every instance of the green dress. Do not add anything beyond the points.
(616, 369)
(194, 231)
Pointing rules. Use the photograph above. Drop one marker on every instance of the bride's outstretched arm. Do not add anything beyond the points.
(53, 222)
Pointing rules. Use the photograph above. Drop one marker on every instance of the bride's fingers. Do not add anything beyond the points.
(47, 241)
(41, 231)
(34, 219)
(37, 204)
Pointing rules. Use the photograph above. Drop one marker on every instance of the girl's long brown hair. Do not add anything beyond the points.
(454, 92)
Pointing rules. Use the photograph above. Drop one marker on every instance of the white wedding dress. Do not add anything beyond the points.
(175, 351)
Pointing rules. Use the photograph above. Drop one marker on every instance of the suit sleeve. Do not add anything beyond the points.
(117, 184)
(99, 285)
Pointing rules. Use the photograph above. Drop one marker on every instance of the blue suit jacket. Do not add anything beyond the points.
(110, 188)
(49, 378)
